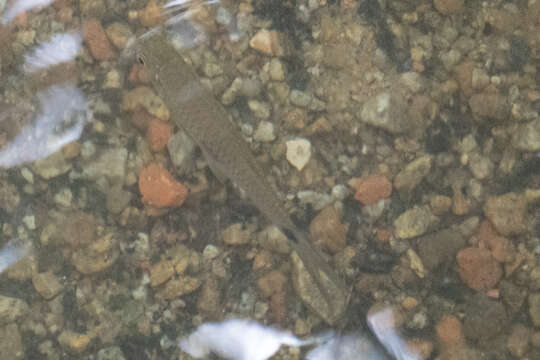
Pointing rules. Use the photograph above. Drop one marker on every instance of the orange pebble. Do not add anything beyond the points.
(158, 134)
(158, 188)
(449, 331)
(372, 189)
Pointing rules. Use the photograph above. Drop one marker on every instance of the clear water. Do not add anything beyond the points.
(404, 135)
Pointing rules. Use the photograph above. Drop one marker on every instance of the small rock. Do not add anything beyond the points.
(440, 247)
(512, 295)
(145, 97)
(414, 222)
(518, 341)
(487, 105)
(273, 239)
(501, 248)
(450, 332)
(268, 42)
(52, 166)
(259, 109)
(119, 34)
(158, 188)
(111, 164)
(386, 111)
(110, 353)
(449, 7)
(527, 136)
(276, 70)
(151, 15)
(210, 296)
(507, 213)
(371, 189)
(92, 8)
(464, 73)
(97, 41)
(328, 230)
(96, 257)
(484, 318)
(74, 341)
(158, 134)
(481, 166)
(47, 284)
(161, 272)
(300, 98)
(178, 287)
(298, 152)
(478, 269)
(236, 234)
(272, 283)
(534, 308)
(11, 342)
(117, 199)
(11, 309)
(264, 132)
(413, 173)
(440, 204)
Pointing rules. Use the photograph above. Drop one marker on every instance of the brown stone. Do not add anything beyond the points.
(96, 39)
(328, 230)
(449, 7)
(478, 268)
(372, 189)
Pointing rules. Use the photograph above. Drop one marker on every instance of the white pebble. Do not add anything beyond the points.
(298, 152)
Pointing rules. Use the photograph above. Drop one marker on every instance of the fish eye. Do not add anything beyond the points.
(141, 59)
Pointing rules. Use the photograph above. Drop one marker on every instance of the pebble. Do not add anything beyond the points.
(298, 152)
(98, 256)
(328, 230)
(408, 178)
(371, 189)
(313, 198)
(11, 309)
(161, 272)
(96, 39)
(268, 42)
(484, 318)
(534, 308)
(413, 222)
(259, 109)
(272, 283)
(118, 199)
(440, 247)
(386, 111)
(74, 341)
(145, 97)
(481, 166)
(11, 342)
(237, 234)
(158, 188)
(527, 136)
(264, 132)
(507, 213)
(276, 70)
(47, 284)
(92, 8)
(300, 98)
(209, 299)
(518, 341)
(450, 332)
(440, 204)
(110, 353)
(151, 15)
(111, 164)
(488, 105)
(478, 268)
(501, 248)
(113, 80)
(178, 287)
(52, 166)
(449, 7)
(273, 239)
(119, 34)
(158, 134)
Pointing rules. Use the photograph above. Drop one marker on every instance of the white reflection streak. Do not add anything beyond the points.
(11, 253)
(20, 6)
(61, 48)
(238, 340)
(381, 323)
(60, 122)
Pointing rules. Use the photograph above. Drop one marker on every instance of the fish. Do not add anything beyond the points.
(195, 110)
